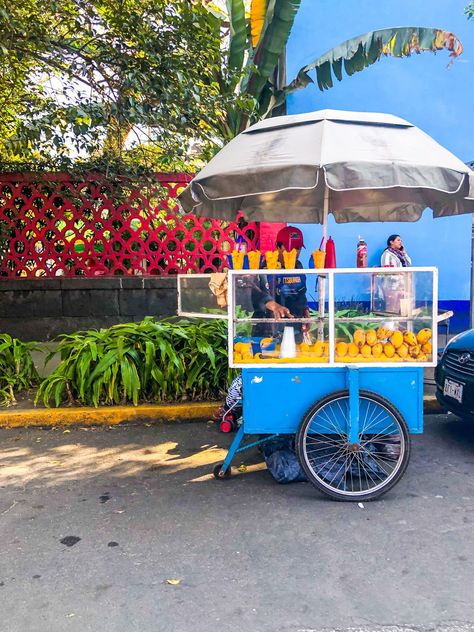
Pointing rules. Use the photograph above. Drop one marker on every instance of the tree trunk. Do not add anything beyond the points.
(117, 133)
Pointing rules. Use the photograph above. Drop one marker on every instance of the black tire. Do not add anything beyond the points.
(336, 468)
(217, 468)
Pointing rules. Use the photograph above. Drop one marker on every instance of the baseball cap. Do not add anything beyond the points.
(291, 237)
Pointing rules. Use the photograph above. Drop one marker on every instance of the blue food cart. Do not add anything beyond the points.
(351, 398)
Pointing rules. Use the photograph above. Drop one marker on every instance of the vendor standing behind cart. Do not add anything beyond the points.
(278, 295)
(283, 297)
(290, 289)
(395, 256)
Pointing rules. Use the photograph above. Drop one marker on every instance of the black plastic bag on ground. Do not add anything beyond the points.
(284, 466)
(281, 460)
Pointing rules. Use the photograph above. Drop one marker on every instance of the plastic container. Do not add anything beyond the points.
(288, 343)
(330, 260)
(361, 258)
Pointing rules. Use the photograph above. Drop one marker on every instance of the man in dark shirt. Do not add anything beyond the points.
(277, 295)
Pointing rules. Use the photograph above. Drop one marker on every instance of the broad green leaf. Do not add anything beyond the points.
(106, 361)
(238, 34)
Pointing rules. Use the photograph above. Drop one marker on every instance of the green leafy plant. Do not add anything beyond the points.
(17, 370)
(146, 361)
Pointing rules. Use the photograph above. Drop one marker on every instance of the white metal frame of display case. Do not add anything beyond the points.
(194, 314)
(330, 273)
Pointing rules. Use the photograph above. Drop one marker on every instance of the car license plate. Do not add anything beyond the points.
(453, 389)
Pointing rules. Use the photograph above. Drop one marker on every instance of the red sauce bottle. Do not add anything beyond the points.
(361, 260)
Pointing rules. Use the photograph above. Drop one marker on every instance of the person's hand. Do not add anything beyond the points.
(278, 310)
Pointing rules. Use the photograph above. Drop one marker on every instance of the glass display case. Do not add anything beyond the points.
(381, 316)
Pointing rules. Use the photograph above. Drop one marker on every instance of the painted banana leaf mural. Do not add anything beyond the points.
(258, 34)
(360, 52)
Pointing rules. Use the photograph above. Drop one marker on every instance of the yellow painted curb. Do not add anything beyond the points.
(107, 415)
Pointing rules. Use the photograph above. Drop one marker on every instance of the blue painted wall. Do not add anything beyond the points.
(421, 89)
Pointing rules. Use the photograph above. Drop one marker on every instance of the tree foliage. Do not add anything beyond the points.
(78, 77)
(125, 84)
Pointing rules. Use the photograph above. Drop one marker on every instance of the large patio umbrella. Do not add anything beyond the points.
(360, 166)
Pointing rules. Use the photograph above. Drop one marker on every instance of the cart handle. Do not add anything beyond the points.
(444, 316)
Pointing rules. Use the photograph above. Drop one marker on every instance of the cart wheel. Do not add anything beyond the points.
(216, 471)
(360, 471)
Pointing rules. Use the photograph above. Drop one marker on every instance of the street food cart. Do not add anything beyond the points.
(353, 392)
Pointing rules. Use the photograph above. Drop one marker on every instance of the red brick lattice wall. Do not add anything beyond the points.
(59, 226)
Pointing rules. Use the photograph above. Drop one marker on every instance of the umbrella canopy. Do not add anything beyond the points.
(362, 166)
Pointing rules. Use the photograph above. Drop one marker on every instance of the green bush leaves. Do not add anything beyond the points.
(140, 362)
(17, 371)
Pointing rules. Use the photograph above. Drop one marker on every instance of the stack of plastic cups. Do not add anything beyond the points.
(288, 344)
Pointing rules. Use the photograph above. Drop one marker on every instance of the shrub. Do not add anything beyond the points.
(17, 370)
(148, 361)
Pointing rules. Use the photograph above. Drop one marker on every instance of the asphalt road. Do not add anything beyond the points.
(94, 522)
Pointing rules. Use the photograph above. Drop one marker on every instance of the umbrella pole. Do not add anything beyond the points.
(325, 215)
(322, 279)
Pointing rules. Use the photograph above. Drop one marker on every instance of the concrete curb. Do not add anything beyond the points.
(107, 415)
(114, 415)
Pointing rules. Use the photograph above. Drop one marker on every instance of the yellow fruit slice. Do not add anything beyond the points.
(427, 348)
(341, 349)
(377, 350)
(409, 338)
(396, 339)
(402, 350)
(318, 348)
(423, 336)
(359, 337)
(352, 350)
(371, 337)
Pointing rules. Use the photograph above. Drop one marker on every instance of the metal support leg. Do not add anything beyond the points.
(353, 385)
(234, 446)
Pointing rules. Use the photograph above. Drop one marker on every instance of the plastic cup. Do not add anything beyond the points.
(254, 259)
(318, 258)
(271, 257)
(238, 259)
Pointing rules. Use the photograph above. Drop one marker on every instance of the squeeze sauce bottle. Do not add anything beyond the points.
(361, 260)
(330, 260)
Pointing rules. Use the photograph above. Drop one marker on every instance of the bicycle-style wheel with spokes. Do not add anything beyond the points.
(353, 470)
